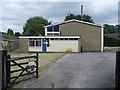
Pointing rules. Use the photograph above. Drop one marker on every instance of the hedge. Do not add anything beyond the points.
(111, 41)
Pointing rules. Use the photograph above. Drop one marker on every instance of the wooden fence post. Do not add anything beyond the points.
(0, 69)
(8, 71)
(3, 68)
(37, 65)
(117, 69)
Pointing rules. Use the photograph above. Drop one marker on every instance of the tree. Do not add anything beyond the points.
(110, 29)
(111, 41)
(10, 32)
(35, 26)
(10, 35)
(85, 18)
(17, 34)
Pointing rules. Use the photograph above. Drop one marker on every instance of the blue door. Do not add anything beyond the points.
(44, 46)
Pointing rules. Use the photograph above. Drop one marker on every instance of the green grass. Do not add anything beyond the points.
(112, 48)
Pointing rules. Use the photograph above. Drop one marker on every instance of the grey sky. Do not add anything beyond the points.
(15, 14)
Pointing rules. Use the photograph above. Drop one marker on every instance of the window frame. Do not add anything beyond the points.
(35, 42)
(52, 32)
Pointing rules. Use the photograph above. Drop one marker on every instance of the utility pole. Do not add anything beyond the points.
(81, 12)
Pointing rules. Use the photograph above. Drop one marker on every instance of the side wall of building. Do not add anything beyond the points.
(90, 35)
(23, 45)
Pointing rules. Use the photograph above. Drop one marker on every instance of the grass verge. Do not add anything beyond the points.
(46, 60)
(111, 48)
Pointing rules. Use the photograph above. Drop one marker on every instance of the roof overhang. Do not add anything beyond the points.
(74, 20)
(26, 37)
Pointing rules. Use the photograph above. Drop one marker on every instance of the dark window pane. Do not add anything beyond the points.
(56, 39)
(38, 43)
(31, 43)
(65, 38)
(49, 29)
(75, 38)
(38, 39)
(56, 34)
(31, 38)
(52, 39)
(61, 38)
(56, 28)
(71, 39)
(48, 44)
(49, 34)
(47, 39)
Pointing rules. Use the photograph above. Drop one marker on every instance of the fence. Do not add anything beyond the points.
(9, 44)
(8, 77)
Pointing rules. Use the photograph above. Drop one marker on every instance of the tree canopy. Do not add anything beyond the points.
(110, 29)
(10, 32)
(35, 26)
(17, 34)
(85, 18)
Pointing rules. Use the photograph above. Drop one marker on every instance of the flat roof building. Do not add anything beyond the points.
(74, 34)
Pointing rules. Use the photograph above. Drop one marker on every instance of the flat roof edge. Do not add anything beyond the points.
(25, 37)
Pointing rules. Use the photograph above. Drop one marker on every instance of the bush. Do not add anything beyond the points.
(111, 41)
(10, 37)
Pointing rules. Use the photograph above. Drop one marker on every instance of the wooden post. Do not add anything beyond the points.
(8, 71)
(3, 68)
(0, 69)
(117, 69)
(37, 65)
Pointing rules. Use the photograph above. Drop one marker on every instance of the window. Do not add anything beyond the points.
(56, 28)
(49, 34)
(38, 43)
(48, 44)
(34, 42)
(71, 39)
(75, 38)
(31, 43)
(56, 34)
(56, 39)
(53, 28)
(65, 38)
(49, 29)
(61, 38)
(52, 39)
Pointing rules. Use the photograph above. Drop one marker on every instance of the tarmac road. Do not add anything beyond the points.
(79, 70)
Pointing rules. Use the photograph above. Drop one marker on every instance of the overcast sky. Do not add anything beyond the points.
(14, 14)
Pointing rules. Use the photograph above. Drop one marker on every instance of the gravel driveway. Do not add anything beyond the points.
(79, 70)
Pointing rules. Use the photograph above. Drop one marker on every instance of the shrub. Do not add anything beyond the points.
(111, 41)
(10, 37)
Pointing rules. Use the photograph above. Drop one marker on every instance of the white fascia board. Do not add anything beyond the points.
(102, 39)
(63, 37)
(71, 21)
(25, 37)
(31, 37)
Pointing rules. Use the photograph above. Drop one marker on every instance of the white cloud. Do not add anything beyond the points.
(16, 13)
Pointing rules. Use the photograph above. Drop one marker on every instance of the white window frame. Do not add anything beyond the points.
(35, 43)
(46, 32)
